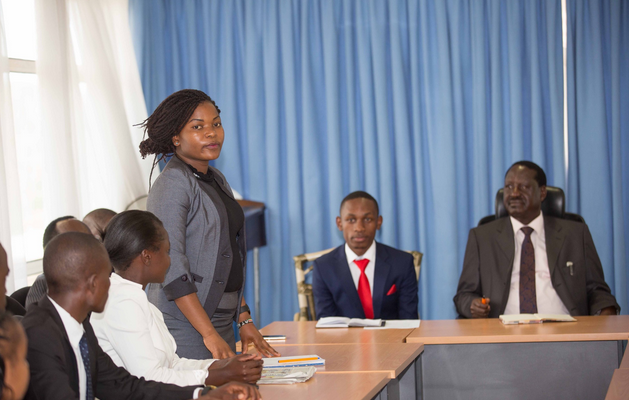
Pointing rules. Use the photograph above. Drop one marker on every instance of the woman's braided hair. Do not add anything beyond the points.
(168, 119)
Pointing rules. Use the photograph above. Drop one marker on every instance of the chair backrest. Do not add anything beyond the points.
(554, 205)
(304, 290)
(15, 307)
(20, 295)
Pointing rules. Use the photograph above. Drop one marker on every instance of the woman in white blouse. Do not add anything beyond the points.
(132, 331)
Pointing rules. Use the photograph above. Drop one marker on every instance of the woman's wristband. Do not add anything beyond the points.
(245, 322)
(244, 309)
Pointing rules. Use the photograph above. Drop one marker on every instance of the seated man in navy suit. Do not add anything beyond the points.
(364, 279)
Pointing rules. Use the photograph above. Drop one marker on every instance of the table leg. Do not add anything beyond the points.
(256, 284)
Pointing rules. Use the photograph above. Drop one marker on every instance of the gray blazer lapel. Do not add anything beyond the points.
(380, 279)
(554, 241)
(222, 182)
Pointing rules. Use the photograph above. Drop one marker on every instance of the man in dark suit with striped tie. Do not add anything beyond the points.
(66, 361)
(530, 262)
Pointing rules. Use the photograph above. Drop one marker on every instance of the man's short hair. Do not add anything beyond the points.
(359, 194)
(51, 229)
(97, 221)
(69, 259)
(540, 175)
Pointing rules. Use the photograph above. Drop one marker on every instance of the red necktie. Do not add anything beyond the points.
(364, 292)
(528, 296)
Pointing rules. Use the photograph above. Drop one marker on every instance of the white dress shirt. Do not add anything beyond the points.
(75, 332)
(132, 332)
(548, 301)
(370, 254)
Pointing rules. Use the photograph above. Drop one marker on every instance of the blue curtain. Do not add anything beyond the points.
(598, 130)
(422, 103)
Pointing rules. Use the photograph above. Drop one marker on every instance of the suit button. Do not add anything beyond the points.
(220, 282)
(226, 256)
(184, 278)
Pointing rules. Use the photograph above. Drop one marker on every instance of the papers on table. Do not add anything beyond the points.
(398, 324)
(292, 361)
(285, 376)
(534, 318)
(344, 322)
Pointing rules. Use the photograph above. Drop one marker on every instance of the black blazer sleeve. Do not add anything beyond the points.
(324, 301)
(408, 300)
(598, 293)
(469, 286)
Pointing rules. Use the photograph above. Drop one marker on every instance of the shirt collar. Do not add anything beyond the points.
(207, 177)
(73, 328)
(370, 254)
(537, 224)
(115, 278)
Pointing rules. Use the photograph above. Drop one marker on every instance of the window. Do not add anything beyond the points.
(19, 17)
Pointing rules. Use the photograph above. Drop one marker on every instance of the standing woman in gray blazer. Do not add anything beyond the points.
(202, 294)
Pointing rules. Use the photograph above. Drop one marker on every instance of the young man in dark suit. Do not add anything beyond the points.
(362, 278)
(65, 359)
(531, 262)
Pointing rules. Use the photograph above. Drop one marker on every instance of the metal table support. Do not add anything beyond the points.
(255, 229)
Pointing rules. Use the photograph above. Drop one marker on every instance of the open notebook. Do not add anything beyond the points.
(534, 318)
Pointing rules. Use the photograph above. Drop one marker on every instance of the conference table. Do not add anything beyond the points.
(352, 352)
(484, 359)
(461, 359)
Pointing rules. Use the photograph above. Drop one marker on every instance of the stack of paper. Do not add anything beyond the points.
(398, 324)
(285, 376)
(344, 322)
(274, 338)
(292, 361)
(534, 318)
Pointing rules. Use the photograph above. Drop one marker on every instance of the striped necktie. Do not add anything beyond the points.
(85, 355)
(528, 297)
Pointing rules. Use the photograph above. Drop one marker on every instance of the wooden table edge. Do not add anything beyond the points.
(377, 389)
(393, 374)
(516, 339)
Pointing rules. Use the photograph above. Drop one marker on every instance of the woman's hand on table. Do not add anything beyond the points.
(250, 334)
(217, 346)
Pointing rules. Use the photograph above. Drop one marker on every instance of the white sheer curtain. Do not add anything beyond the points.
(11, 230)
(91, 97)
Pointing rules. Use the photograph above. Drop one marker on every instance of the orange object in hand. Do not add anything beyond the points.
(483, 300)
